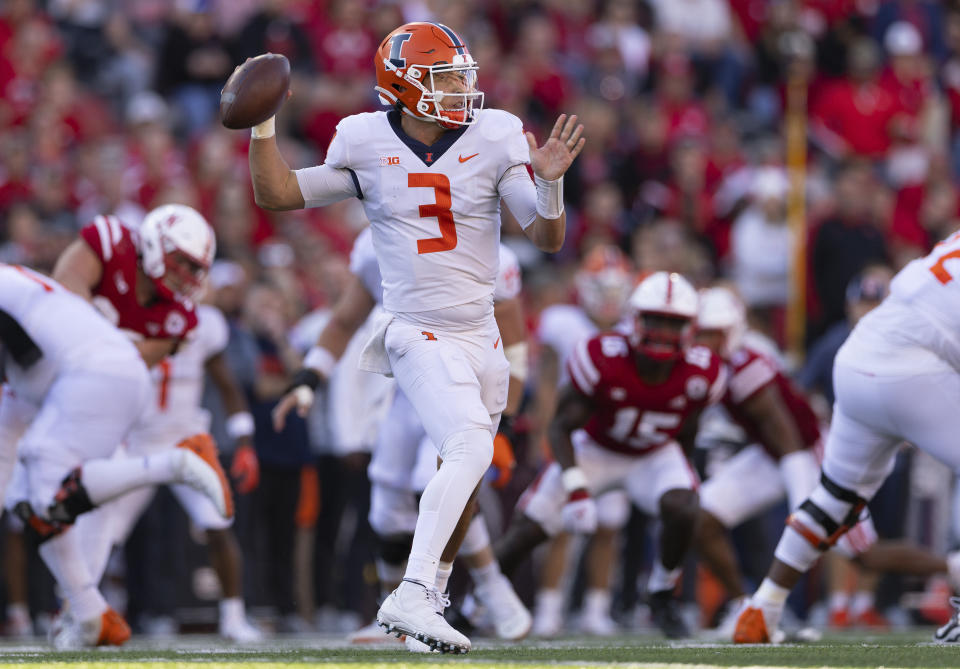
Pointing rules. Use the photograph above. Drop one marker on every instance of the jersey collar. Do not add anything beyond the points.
(428, 154)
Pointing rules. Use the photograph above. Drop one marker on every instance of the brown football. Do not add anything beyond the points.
(255, 91)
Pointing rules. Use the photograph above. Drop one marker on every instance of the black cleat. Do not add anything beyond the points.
(665, 610)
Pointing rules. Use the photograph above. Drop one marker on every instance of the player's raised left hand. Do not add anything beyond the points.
(553, 159)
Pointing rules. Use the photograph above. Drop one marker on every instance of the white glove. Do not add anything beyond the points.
(580, 513)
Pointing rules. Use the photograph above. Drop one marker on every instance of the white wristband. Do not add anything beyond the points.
(240, 425)
(304, 396)
(549, 197)
(264, 130)
(516, 355)
(574, 479)
(320, 359)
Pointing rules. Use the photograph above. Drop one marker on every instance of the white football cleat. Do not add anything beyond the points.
(107, 629)
(950, 633)
(199, 467)
(240, 631)
(415, 646)
(548, 614)
(417, 611)
(373, 633)
(598, 624)
(510, 618)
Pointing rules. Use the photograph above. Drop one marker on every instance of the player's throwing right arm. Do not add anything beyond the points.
(573, 411)
(278, 188)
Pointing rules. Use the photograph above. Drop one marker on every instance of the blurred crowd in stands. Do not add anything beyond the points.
(110, 106)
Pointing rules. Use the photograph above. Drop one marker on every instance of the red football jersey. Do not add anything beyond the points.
(750, 373)
(162, 319)
(631, 416)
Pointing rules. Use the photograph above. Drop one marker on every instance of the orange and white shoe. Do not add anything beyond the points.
(107, 629)
(751, 626)
(201, 469)
(840, 618)
(114, 630)
(872, 619)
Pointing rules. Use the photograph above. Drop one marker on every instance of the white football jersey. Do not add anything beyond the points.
(562, 327)
(434, 210)
(67, 330)
(364, 265)
(917, 328)
(174, 411)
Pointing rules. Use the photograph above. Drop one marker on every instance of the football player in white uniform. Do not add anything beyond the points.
(172, 416)
(896, 379)
(71, 395)
(603, 285)
(431, 174)
(393, 507)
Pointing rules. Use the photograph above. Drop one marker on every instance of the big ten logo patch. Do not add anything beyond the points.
(389, 160)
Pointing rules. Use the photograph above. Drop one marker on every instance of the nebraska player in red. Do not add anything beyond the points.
(631, 403)
(143, 280)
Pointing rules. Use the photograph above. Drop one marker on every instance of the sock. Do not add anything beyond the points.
(232, 609)
(63, 555)
(105, 479)
(839, 601)
(662, 578)
(596, 603)
(486, 574)
(466, 456)
(863, 600)
(444, 569)
(770, 594)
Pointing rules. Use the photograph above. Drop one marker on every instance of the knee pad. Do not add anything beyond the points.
(470, 450)
(827, 514)
(477, 537)
(395, 549)
(392, 511)
(35, 527)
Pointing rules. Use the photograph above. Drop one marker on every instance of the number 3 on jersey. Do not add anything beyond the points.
(439, 210)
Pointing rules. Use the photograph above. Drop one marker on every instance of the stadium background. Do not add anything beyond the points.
(110, 107)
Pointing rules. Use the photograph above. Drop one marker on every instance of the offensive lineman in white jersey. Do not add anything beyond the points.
(393, 509)
(71, 395)
(897, 378)
(172, 416)
(431, 174)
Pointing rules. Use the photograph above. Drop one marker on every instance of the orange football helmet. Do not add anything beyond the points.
(408, 63)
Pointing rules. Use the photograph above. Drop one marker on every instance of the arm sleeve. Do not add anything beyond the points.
(213, 329)
(519, 194)
(322, 185)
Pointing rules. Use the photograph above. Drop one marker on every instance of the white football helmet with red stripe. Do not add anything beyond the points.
(664, 306)
(177, 247)
(722, 311)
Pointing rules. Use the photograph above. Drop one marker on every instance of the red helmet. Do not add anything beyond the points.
(407, 64)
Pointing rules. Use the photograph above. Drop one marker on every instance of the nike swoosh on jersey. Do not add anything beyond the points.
(496, 343)
(463, 160)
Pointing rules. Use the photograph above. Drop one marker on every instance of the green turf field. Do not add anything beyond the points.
(902, 649)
